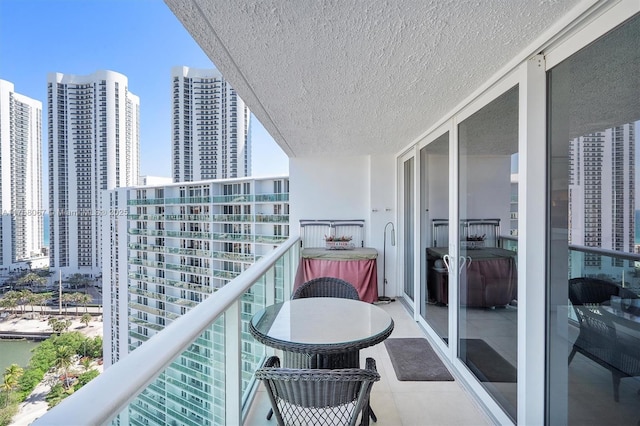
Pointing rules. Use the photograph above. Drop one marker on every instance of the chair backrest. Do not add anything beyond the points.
(488, 228)
(318, 396)
(326, 287)
(586, 290)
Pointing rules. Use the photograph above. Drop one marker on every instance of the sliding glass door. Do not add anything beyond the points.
(487, 259)
(434, 222)
(594, 276)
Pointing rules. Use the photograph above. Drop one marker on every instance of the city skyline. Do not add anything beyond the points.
(141, 40)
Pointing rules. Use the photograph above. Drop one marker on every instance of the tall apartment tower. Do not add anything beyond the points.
(93, 146)
(602, 193)
(20, 177)
(210, 133)
(172, 246)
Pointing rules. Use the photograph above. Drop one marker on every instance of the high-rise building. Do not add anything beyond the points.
(20, 177)
(210, 133)
(93, 146)
(171, 247)
(602, 193)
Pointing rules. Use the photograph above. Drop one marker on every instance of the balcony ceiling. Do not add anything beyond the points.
(360, 77)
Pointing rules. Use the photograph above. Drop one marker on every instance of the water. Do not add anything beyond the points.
(15, 352)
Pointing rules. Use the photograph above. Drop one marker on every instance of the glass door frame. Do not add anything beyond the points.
(516, 77)
(411, 154)
(423, 244)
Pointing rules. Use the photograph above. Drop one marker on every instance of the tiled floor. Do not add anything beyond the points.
(590, 397)
(402, 403)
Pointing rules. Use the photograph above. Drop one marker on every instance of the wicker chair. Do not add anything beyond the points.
(318, 396)
(326, 287)
(598, 339)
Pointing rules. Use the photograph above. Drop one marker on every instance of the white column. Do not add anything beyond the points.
(531, 245)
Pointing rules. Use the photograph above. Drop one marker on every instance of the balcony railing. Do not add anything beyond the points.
(159, 382)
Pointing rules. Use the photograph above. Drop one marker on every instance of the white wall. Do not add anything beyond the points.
(328, 188)
(348, 188)
(488, 190)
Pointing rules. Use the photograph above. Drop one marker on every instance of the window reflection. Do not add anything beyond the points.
(487, 282)
(434, 187)
(594, 312)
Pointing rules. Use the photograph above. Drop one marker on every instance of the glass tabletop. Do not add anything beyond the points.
(321, 325)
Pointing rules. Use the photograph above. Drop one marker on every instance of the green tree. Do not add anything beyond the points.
(59, 326)
(8, 302)
(42, 300)
(85, 299)
(24, 299)
(78, 280)
(43, 272)
(7, 387)
(64, 359)
(32, 299)
(86, 319)
(78, 298)
(32, 279)
(10, 380)
(66, 299)
(86, 363)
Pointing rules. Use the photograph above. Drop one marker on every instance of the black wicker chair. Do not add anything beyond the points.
(326, 287)
(318, 396)
(597, 339)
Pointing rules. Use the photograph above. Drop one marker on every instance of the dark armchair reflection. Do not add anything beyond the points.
(599, 338)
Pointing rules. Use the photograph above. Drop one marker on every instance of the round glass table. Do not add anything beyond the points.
(321, 326)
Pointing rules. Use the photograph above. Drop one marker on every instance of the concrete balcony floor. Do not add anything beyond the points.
(401, 403)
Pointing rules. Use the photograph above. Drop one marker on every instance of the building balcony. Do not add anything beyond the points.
(181, 360)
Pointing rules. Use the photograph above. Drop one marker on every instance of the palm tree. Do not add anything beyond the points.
(66, 298)
(78, 280)
(63, 361)
(86, 363)
(24, 298)
(32, 279)
(77, 298)
(85, 299)
(10, 380)
(7, 386)
(86, 319)
(8, 302)
(32, 299)
(42, 300)
(14, 370)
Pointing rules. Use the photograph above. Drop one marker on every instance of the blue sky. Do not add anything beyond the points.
(141, 39)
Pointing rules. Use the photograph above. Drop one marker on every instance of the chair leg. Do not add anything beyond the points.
(364, 420)
(372, 414)
(270, 414)
(616, 386)
(572, 354)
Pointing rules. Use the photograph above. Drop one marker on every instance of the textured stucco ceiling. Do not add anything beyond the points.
(360, 77)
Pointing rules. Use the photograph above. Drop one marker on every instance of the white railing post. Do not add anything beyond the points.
(233, 364)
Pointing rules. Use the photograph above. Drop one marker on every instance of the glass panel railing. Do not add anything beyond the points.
(271, 197)
(186, 373)
(619, 268)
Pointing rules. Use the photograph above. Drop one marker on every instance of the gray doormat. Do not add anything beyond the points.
(413, 359)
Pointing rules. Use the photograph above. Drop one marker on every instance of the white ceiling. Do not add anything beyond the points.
(354, 77)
